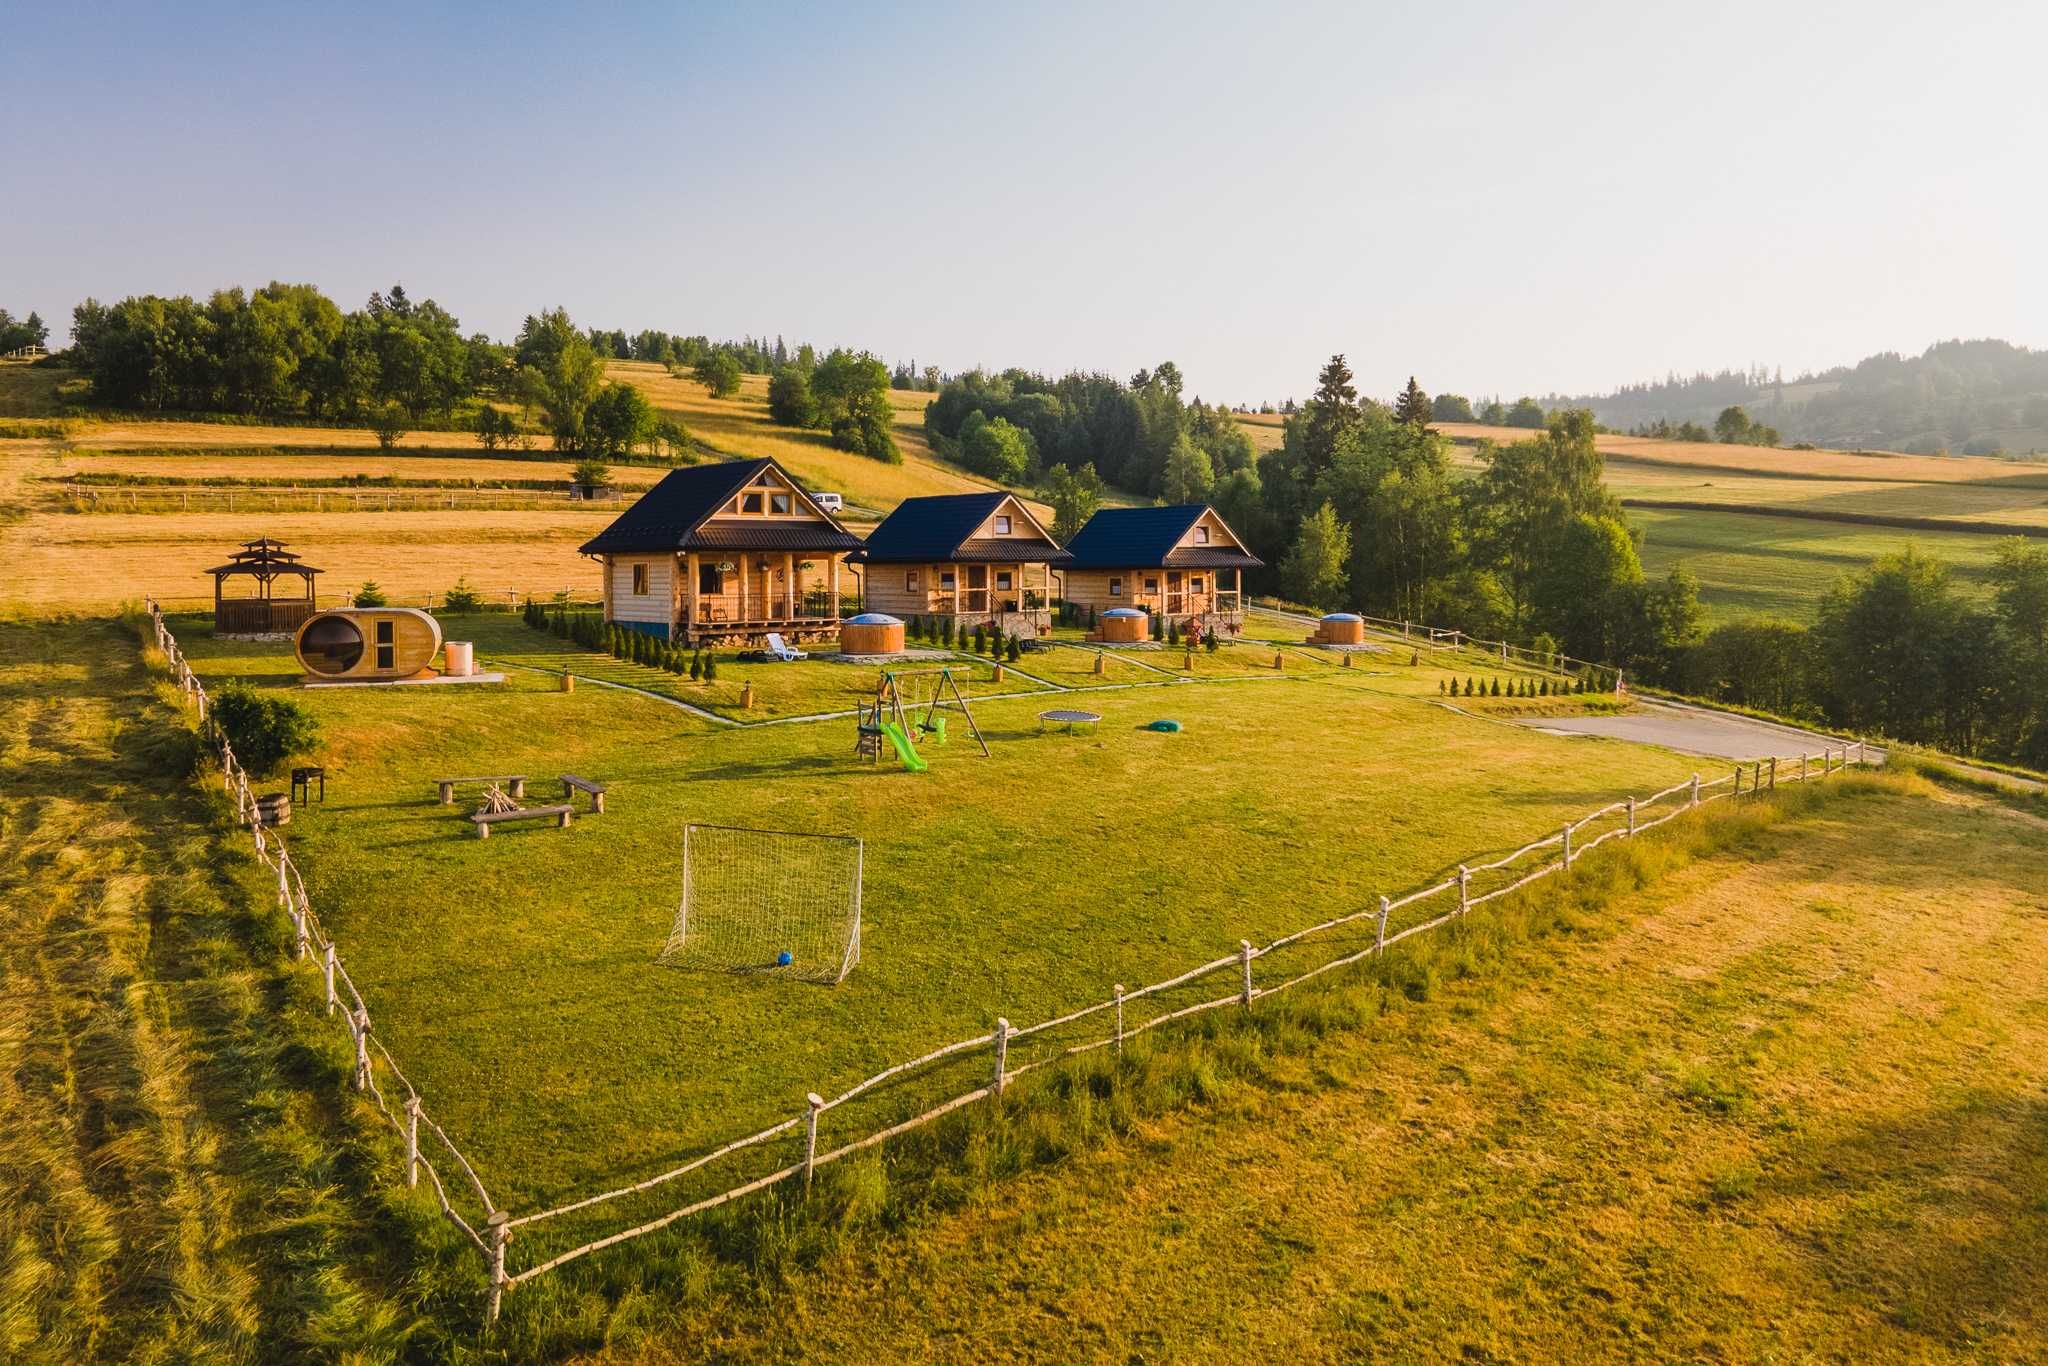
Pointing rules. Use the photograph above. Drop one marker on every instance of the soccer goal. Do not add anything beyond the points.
(777, 901)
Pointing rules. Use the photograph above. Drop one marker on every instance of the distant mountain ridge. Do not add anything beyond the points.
(1983, 397)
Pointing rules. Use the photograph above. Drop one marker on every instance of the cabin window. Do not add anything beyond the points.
(946, 579)
(639, 580)
(1151, 585)
(1195, 584)
(1201, 535)
(910, 580)
(750, 502)
(1002, 526)
(1002, 580)
(1116, 588)
(707, 579)
(778, 503)
(385, 648)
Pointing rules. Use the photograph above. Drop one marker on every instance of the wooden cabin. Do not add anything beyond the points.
(1181, 562)
(976, 559)
(723, 555)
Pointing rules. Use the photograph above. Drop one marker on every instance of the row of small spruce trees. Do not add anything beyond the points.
(952, 635)
(1516, 687)
(635, 647)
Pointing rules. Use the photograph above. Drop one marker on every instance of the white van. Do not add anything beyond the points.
(831, 502)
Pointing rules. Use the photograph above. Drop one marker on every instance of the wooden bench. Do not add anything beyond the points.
(572, 784)
(486, 819)
(513, 783)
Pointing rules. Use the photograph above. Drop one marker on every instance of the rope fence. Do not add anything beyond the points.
(1423, 637)
(985, 1063)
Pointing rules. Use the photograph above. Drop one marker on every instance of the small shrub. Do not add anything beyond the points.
(1212, 643)
(711, 668)
(696, 666)
(370, 595)
(977, 638)
(1016, 649)
(1172, 633)
(460, 598)
(264, 730)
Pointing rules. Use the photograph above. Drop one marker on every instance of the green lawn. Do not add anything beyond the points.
(516, 977)
(1749, 565)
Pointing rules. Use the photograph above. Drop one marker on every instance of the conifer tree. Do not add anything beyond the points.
(1413, 406)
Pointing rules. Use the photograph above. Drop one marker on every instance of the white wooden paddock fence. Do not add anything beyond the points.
(988, 1061)
(1423, 637)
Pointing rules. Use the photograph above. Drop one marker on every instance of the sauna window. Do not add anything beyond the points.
(385, 649)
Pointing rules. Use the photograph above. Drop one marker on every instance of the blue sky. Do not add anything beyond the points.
(1497, 198)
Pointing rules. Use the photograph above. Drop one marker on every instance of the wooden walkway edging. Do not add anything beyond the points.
(490, 1229)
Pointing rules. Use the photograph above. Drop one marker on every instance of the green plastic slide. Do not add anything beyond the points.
(905, 751)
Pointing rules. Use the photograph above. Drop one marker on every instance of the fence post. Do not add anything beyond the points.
(1464, 889)
(1738, 780)
(1802, 765)
(327, 968)
(817, 1103)
(360, 1022)
(1631, 815)
(1567, 846)
(1695, 789)
(1379, 944)
(1774, 773)
(498, 1227)
(1244, 957)
(1002, 1052)
(1119, 989)
(412, 1141)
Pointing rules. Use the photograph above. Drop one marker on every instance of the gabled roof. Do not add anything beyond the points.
(940, 529)
(672, 516)
(1141, 538)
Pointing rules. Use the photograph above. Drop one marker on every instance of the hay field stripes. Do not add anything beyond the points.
(497, 1224)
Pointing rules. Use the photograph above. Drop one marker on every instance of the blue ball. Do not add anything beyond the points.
(784, 959)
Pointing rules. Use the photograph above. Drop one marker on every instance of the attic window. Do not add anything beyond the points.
(778, 503)
(1002, 526)
(1201, 535)
(750, 502)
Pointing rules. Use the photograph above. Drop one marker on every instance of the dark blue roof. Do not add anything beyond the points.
(1135, 538)
(671, 515)
(941, 528)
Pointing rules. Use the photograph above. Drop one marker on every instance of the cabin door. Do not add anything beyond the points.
(977, 588)
(1176, 593)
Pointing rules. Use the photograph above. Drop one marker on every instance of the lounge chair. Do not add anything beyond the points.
(779, 650)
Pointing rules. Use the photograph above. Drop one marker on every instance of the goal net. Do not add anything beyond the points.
(774, 901)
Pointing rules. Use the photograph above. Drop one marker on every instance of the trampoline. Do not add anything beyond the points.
(1062, 716)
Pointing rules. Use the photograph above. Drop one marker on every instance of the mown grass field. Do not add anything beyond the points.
(516, 977)
(1749, 565)
(53, 556)
(1782, 1101)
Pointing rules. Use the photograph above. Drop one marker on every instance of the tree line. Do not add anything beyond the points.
(16, 333)
(1900, 651)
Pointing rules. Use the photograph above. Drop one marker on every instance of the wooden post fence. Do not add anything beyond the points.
(817, 1103)
(1002, 1051)
(1244, 956)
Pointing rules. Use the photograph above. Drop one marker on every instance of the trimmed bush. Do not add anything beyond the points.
(264, 729)
(710, 668)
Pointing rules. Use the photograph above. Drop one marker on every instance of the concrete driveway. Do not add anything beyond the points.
(1696, 730)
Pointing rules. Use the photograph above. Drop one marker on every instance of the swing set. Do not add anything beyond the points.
(910, 707)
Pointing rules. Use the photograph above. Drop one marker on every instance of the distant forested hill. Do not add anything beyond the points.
(1965, 397)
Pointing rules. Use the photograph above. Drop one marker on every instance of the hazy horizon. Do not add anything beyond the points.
(1493, 201)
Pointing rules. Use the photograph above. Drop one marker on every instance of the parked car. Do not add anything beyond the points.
(831, 502)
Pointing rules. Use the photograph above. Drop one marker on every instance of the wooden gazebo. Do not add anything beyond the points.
(264, 612)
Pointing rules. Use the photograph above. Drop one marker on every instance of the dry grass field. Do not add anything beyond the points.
(53, 558)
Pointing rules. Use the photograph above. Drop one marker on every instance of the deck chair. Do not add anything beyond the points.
(781, 651)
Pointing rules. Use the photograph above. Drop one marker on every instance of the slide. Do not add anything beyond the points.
(905, 751)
